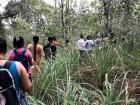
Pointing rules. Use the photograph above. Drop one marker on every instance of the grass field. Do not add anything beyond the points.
(107, 76)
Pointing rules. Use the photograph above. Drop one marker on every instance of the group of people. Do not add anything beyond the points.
(85, 45)
(88, 44)
(17, 70)
(24, 60)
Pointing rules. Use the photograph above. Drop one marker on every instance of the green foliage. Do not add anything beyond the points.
(57, 84)
(55, 73)
(105, 58)
(20, 27)
(62, 81)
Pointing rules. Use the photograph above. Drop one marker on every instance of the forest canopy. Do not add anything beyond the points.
(111, 18)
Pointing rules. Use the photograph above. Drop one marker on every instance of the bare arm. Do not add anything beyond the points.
(42, 52)
(25, 81)
(28, 47)
(30, 59)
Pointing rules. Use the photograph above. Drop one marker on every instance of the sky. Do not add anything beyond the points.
(2, 4)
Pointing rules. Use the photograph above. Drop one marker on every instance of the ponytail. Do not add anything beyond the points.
(35, 40)
(35, 51)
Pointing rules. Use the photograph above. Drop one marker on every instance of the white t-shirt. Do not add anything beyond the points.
(89, 44)
(81, 44)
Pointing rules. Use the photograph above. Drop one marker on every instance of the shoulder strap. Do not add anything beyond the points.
(17, 55)
(7, 64)
(11, 66)
(24, 51)
(15, 52)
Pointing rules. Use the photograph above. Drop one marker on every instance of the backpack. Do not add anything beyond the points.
(8, 94)
(20, 57)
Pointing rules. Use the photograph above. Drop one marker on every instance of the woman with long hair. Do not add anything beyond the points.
(37, 52)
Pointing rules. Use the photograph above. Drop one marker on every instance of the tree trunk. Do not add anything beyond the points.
(62, 17)
(108, 19)
(2, 30)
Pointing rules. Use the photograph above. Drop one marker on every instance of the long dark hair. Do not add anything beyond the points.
(3, 45)
(35, 40)
(18, 42)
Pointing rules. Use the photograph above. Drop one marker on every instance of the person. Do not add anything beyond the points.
(81, 45)
(98, 42)
(54, 47)
(89, 44)
(37, 52)
(47, 48)
(50, 49)
(17, 71)
(21, 54)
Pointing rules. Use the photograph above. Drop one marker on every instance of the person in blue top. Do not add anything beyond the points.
(19, 74)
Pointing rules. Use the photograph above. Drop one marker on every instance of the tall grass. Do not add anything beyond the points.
(56, 74)
(57, 84)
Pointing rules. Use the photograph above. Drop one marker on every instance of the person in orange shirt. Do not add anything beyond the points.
(37, 51)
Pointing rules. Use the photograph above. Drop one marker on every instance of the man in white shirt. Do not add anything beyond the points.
(81, 44)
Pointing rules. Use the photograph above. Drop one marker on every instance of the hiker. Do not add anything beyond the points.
(47, 48)
(89, 44)
(50, 49)
(37, 52)
(54, 46)
(81, 45)
(19, 75)
(98, 42)
(21, 54)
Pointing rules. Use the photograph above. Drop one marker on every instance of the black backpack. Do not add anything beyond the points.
(20, 57)
(7, 87)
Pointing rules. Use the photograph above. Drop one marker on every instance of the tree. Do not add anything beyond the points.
(10, 12)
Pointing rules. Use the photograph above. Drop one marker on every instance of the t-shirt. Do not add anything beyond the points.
(13, 70)
(50, 50)
(39, 52)
(11, 54)
(89, 44)
(28, 54)
(81, 44)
